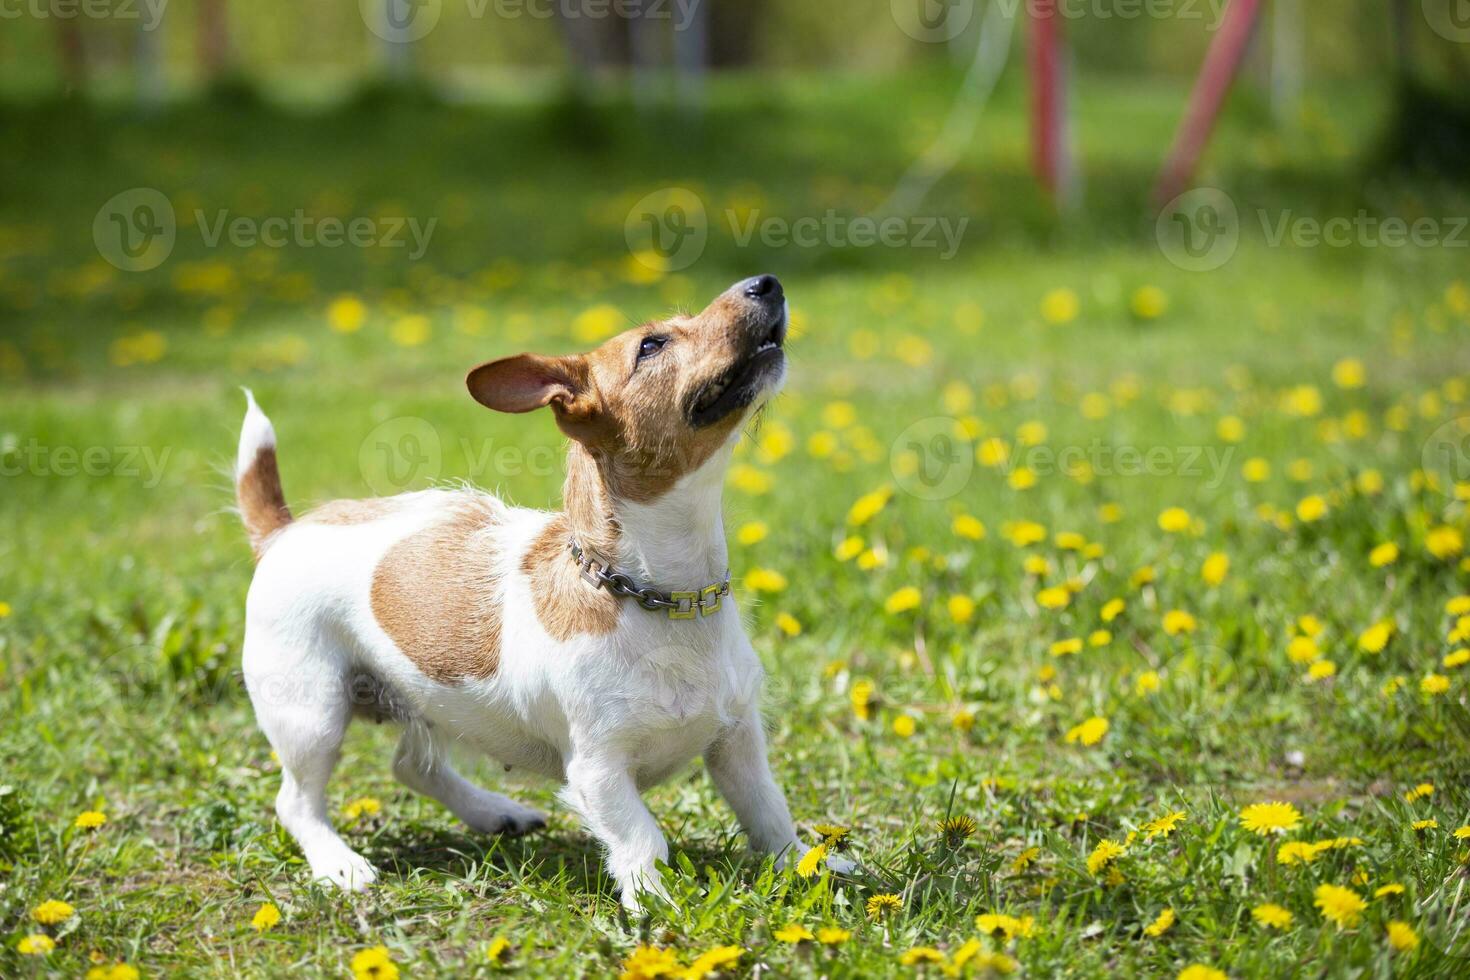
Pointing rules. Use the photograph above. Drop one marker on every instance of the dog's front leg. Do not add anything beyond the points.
(601, 787)
(737, 763)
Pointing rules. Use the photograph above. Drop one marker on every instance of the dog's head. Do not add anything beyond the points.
(657, 401)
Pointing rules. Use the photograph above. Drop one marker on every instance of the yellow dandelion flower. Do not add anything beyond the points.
(1456, 658)
(1090, 732)
(363, 806)
(1376, 637)
(1103, 855)
(1401, 936)
(921, 954)
(1272, 916)
(1349, 373)
(346, 314)
(969, 527)
(1067, 647)
(883, 906)
(1444, 542)
(1419, 826)
(765, 580)
(1383, 555)
(374, 963)
(36, 944)
(1054, 597)
(956, 830)
(1165, 825)
(1112, 609)
(1175, 520)
(1148, 302)
(52, 912)
(1419, 792)
(648, 963)
(811, 861)
(1215, 568)
(1311, 509)
(788, 624)
(1388, 890)
(1255, 470)
(1200, 971)
(1433, 684)
(1060, 306)
(1161, 925)
(1270, 818)
(904, 726)
(868, 505)
(1321, 670)
(752, 532)
(1148, 683)
(712, 961)
(1177, 621)
(1296, 852)
(89, 820)
(265, 918)
(1099, 638)
(833, 935)
(1340, 906)
(902, 601)
(1025, 859)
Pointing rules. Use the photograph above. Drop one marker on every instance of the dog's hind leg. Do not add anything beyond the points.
(423, 766)
(301, 704)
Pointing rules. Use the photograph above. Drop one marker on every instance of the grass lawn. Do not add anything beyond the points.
(1054, 539)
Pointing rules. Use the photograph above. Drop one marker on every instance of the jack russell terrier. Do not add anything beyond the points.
(599, 646)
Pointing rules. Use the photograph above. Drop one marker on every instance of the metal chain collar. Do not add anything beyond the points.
(681, 605)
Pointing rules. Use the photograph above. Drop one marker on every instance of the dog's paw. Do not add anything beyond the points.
(505, 817)
(346, 870)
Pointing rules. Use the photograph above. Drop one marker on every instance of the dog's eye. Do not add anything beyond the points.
(651, 346)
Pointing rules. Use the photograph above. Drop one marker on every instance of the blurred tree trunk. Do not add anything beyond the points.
(645, 50)
(732, 37)
(213, 50)
(691, 56)
(148, 59)
(72, 56)
(594, 44)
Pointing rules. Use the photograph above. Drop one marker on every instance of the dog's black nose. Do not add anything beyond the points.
(767, 289)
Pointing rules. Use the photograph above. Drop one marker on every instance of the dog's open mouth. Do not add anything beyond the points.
(736, 387)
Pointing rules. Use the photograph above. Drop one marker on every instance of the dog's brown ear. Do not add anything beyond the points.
(527, 382)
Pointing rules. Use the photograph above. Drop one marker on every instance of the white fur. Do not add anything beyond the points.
(609, 716)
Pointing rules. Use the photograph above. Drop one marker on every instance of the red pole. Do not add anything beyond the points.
(1044, 58)
(1222, 62)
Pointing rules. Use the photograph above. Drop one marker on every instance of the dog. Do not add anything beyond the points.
(600, 646)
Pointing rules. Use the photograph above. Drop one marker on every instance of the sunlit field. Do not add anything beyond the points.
(1116, 613)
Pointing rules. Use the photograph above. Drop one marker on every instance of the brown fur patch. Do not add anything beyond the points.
(261, 500)
(436, 594)
(348, 512)
(565, 605)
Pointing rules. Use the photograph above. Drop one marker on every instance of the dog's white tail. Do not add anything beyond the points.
(258, 479)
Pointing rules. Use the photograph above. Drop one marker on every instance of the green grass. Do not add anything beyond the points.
(119, 685)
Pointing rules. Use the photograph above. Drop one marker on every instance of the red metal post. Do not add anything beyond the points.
(1222, 62)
